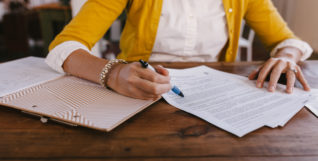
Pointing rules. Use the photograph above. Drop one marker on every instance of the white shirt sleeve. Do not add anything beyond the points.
(299, 44)
(58, 55)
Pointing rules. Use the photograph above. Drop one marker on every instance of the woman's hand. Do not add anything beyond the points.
(285, 61)
(134, 81)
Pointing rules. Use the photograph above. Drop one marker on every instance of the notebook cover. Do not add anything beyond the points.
(76, 101)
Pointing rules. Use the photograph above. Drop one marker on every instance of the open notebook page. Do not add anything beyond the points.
(23, 73)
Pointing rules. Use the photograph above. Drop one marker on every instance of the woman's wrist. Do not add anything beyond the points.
(82, 64)
(107, 70)
(290, 53)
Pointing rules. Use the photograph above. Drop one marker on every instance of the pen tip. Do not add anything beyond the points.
(181, 94)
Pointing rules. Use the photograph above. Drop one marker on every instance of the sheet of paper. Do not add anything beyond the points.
(312, 104)
(232, 102)
(23, 73)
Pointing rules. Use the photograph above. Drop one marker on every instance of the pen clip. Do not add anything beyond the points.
(143, 63)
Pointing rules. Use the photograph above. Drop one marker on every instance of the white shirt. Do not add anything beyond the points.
(189, 30)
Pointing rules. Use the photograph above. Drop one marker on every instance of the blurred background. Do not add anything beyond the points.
(28, 26)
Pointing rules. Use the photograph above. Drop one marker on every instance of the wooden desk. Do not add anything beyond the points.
(161, 133)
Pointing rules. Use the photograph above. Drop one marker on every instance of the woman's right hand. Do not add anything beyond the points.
(134, 81)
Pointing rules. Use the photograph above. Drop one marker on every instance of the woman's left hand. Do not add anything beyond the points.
(285, 61)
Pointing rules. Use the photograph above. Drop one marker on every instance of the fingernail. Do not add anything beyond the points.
(271, 88)
(258, 84)
(289, 90)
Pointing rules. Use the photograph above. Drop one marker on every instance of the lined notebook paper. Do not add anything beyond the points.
(24, 73)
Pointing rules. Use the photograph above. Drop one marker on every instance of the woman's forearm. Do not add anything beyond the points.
(127, 79)
(84, 65)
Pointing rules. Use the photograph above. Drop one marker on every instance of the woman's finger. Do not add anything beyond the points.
(136, 92)
(301, 78)
(151, 87)
(254, 73)
(160, 69)
(264, 72)
(291, 78)
(275, 74)
(153, 76)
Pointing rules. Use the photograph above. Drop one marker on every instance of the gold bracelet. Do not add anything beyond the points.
(104, 75)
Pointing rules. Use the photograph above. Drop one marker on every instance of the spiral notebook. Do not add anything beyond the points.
(62, 98)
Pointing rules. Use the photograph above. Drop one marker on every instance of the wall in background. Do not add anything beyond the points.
(302, 18)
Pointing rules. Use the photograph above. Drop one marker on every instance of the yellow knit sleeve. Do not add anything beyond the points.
(91, 23)
(264, 18)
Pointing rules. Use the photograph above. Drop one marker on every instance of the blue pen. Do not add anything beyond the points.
(174, 89)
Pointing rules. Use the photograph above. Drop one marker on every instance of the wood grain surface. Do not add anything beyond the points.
(161, 133)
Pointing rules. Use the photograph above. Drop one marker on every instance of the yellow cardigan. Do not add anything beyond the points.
(143, 16)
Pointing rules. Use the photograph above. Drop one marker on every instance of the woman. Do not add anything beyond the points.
(174, 30)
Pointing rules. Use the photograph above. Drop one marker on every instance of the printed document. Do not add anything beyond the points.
(232, 102)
